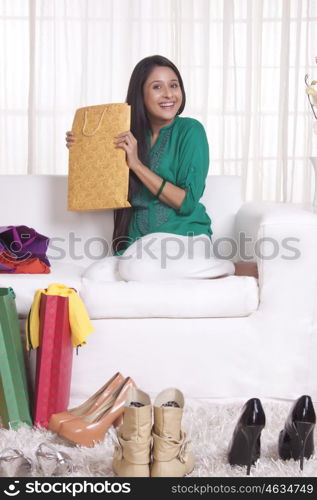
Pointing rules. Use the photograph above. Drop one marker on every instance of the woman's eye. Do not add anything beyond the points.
(173, 86)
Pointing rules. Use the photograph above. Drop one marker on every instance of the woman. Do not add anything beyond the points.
(167, 232)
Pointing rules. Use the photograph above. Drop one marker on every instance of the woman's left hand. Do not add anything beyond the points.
(128, 142)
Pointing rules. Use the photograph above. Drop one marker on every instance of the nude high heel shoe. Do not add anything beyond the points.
(88, 406)
(91, 428)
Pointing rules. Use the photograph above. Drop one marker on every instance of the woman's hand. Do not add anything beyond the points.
(128, 142)
(70, 139)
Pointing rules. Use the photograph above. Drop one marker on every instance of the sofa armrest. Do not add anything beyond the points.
(282, 239)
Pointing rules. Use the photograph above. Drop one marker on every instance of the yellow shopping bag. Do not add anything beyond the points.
(98, 175)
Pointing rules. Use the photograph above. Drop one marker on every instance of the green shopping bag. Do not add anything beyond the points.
(14, 398)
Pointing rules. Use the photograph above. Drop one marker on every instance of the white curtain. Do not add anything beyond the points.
(243, 64)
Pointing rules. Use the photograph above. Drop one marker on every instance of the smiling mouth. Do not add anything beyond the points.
(167, 105)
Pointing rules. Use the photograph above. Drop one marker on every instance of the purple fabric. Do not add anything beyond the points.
(6, 269)
(24, 243)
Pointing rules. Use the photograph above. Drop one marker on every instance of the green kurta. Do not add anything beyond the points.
(181, 156)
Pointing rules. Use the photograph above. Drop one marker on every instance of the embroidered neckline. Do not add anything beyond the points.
(157, 153)
(141, 201)
(161, 132)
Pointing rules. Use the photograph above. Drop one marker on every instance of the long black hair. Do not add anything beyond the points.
(139, 126)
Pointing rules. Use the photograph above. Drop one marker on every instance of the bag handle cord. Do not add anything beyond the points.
(98, 126)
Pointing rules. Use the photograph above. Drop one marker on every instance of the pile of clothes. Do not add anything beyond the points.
(23, 251)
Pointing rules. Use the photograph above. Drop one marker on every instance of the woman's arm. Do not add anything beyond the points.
(171, 194)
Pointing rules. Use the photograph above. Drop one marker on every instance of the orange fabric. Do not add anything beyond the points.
(28, 266)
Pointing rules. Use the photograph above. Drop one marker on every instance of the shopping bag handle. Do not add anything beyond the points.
(11, 292)
(98, 126)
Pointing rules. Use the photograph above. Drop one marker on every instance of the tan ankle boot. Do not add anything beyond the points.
(132, 452)
(171, 457)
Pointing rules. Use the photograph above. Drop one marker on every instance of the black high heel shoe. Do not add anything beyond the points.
(245, 445)
(296, 440)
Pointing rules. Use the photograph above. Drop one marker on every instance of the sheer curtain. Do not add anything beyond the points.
(243, 64)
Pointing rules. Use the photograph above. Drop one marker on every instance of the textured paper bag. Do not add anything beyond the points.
(14, 397)
(53, 360)
(98, 175)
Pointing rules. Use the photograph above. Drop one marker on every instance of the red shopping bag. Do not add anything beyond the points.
(54, 358)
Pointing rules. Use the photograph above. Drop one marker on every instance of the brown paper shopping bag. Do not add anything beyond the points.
(98, 175)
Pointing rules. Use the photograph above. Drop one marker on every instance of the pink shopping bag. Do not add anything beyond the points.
(53, 360)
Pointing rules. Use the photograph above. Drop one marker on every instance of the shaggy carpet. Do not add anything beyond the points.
(209, 426)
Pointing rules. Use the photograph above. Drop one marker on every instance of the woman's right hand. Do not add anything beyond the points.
(70, 139)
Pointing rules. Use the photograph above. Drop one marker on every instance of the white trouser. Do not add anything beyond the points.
(162, 256)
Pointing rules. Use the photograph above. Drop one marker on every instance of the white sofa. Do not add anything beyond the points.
(224, 338)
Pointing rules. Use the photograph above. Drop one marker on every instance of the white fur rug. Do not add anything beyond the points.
(209, 426)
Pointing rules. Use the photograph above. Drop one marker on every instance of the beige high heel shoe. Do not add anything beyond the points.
(89, 406)
(91, 428)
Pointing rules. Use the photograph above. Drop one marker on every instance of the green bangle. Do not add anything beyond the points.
(161, 188)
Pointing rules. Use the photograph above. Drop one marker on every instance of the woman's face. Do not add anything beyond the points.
(162, 95)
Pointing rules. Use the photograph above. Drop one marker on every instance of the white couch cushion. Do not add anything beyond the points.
(25, 285)
(224, 297)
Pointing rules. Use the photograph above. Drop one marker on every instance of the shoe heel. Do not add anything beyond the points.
(303, 429)
(118, 421)
(251, 434)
